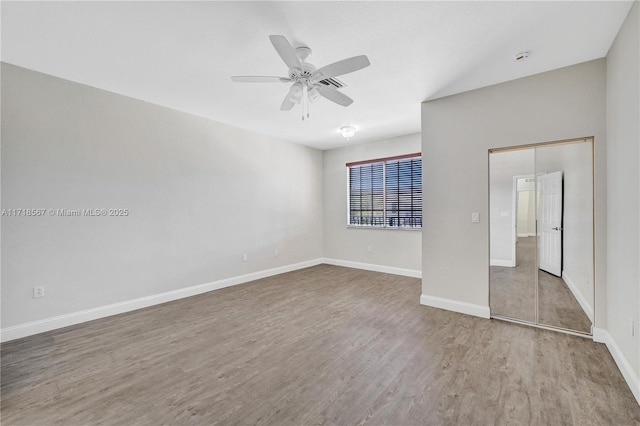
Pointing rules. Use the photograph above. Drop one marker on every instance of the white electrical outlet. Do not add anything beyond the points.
(244, 257)
(369, 249)
(475, 217)
(38, 292)
(275, 253)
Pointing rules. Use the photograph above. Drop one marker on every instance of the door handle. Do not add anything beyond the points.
(557, 229)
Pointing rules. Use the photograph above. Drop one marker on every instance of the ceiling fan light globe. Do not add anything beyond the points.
(295, 93)
(314, 95)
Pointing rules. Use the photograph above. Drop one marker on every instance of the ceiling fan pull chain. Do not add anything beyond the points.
(303, 101)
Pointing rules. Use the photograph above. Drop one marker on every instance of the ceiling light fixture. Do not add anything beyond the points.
(521, 57)
(348, 131)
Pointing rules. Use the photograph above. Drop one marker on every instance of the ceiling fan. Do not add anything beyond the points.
(309, 83)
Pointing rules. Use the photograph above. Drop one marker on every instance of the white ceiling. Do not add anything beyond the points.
(182, 54)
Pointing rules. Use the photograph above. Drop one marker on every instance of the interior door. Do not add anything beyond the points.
(550, 222)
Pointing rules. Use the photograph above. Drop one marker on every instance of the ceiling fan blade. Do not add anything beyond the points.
(259, 79)
(334, 96)
(285, 50)
(344, 66)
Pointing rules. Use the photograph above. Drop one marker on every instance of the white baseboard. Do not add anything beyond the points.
(377, 268)
(455, 306)
(502, 262)
(47, 324)
(601, 335)
(584, 303)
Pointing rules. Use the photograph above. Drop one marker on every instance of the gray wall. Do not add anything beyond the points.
(623, 188)
(199, 193)
(392, 248)
(457, 132)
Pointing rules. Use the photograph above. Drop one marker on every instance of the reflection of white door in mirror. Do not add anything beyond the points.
(550, 222)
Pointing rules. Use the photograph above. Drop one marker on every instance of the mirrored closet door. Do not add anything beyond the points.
(541, 234)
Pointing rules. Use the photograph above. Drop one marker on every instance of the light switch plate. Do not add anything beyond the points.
(475, 217)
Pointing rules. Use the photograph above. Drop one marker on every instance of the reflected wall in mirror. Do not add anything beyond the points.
(541, 234)
(513, 263)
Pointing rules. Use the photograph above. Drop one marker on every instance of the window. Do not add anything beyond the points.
(386, 192)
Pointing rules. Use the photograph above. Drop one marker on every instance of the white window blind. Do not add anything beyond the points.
(386, 192)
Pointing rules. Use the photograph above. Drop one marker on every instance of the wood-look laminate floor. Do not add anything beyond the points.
(324, 345)
(512, 293)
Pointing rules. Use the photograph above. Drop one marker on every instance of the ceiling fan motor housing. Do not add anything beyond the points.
(303, 52)
(302, 74)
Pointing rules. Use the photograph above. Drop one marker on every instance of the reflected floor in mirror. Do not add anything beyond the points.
(513, 293)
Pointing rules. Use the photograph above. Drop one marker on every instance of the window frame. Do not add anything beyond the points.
(385, 208)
